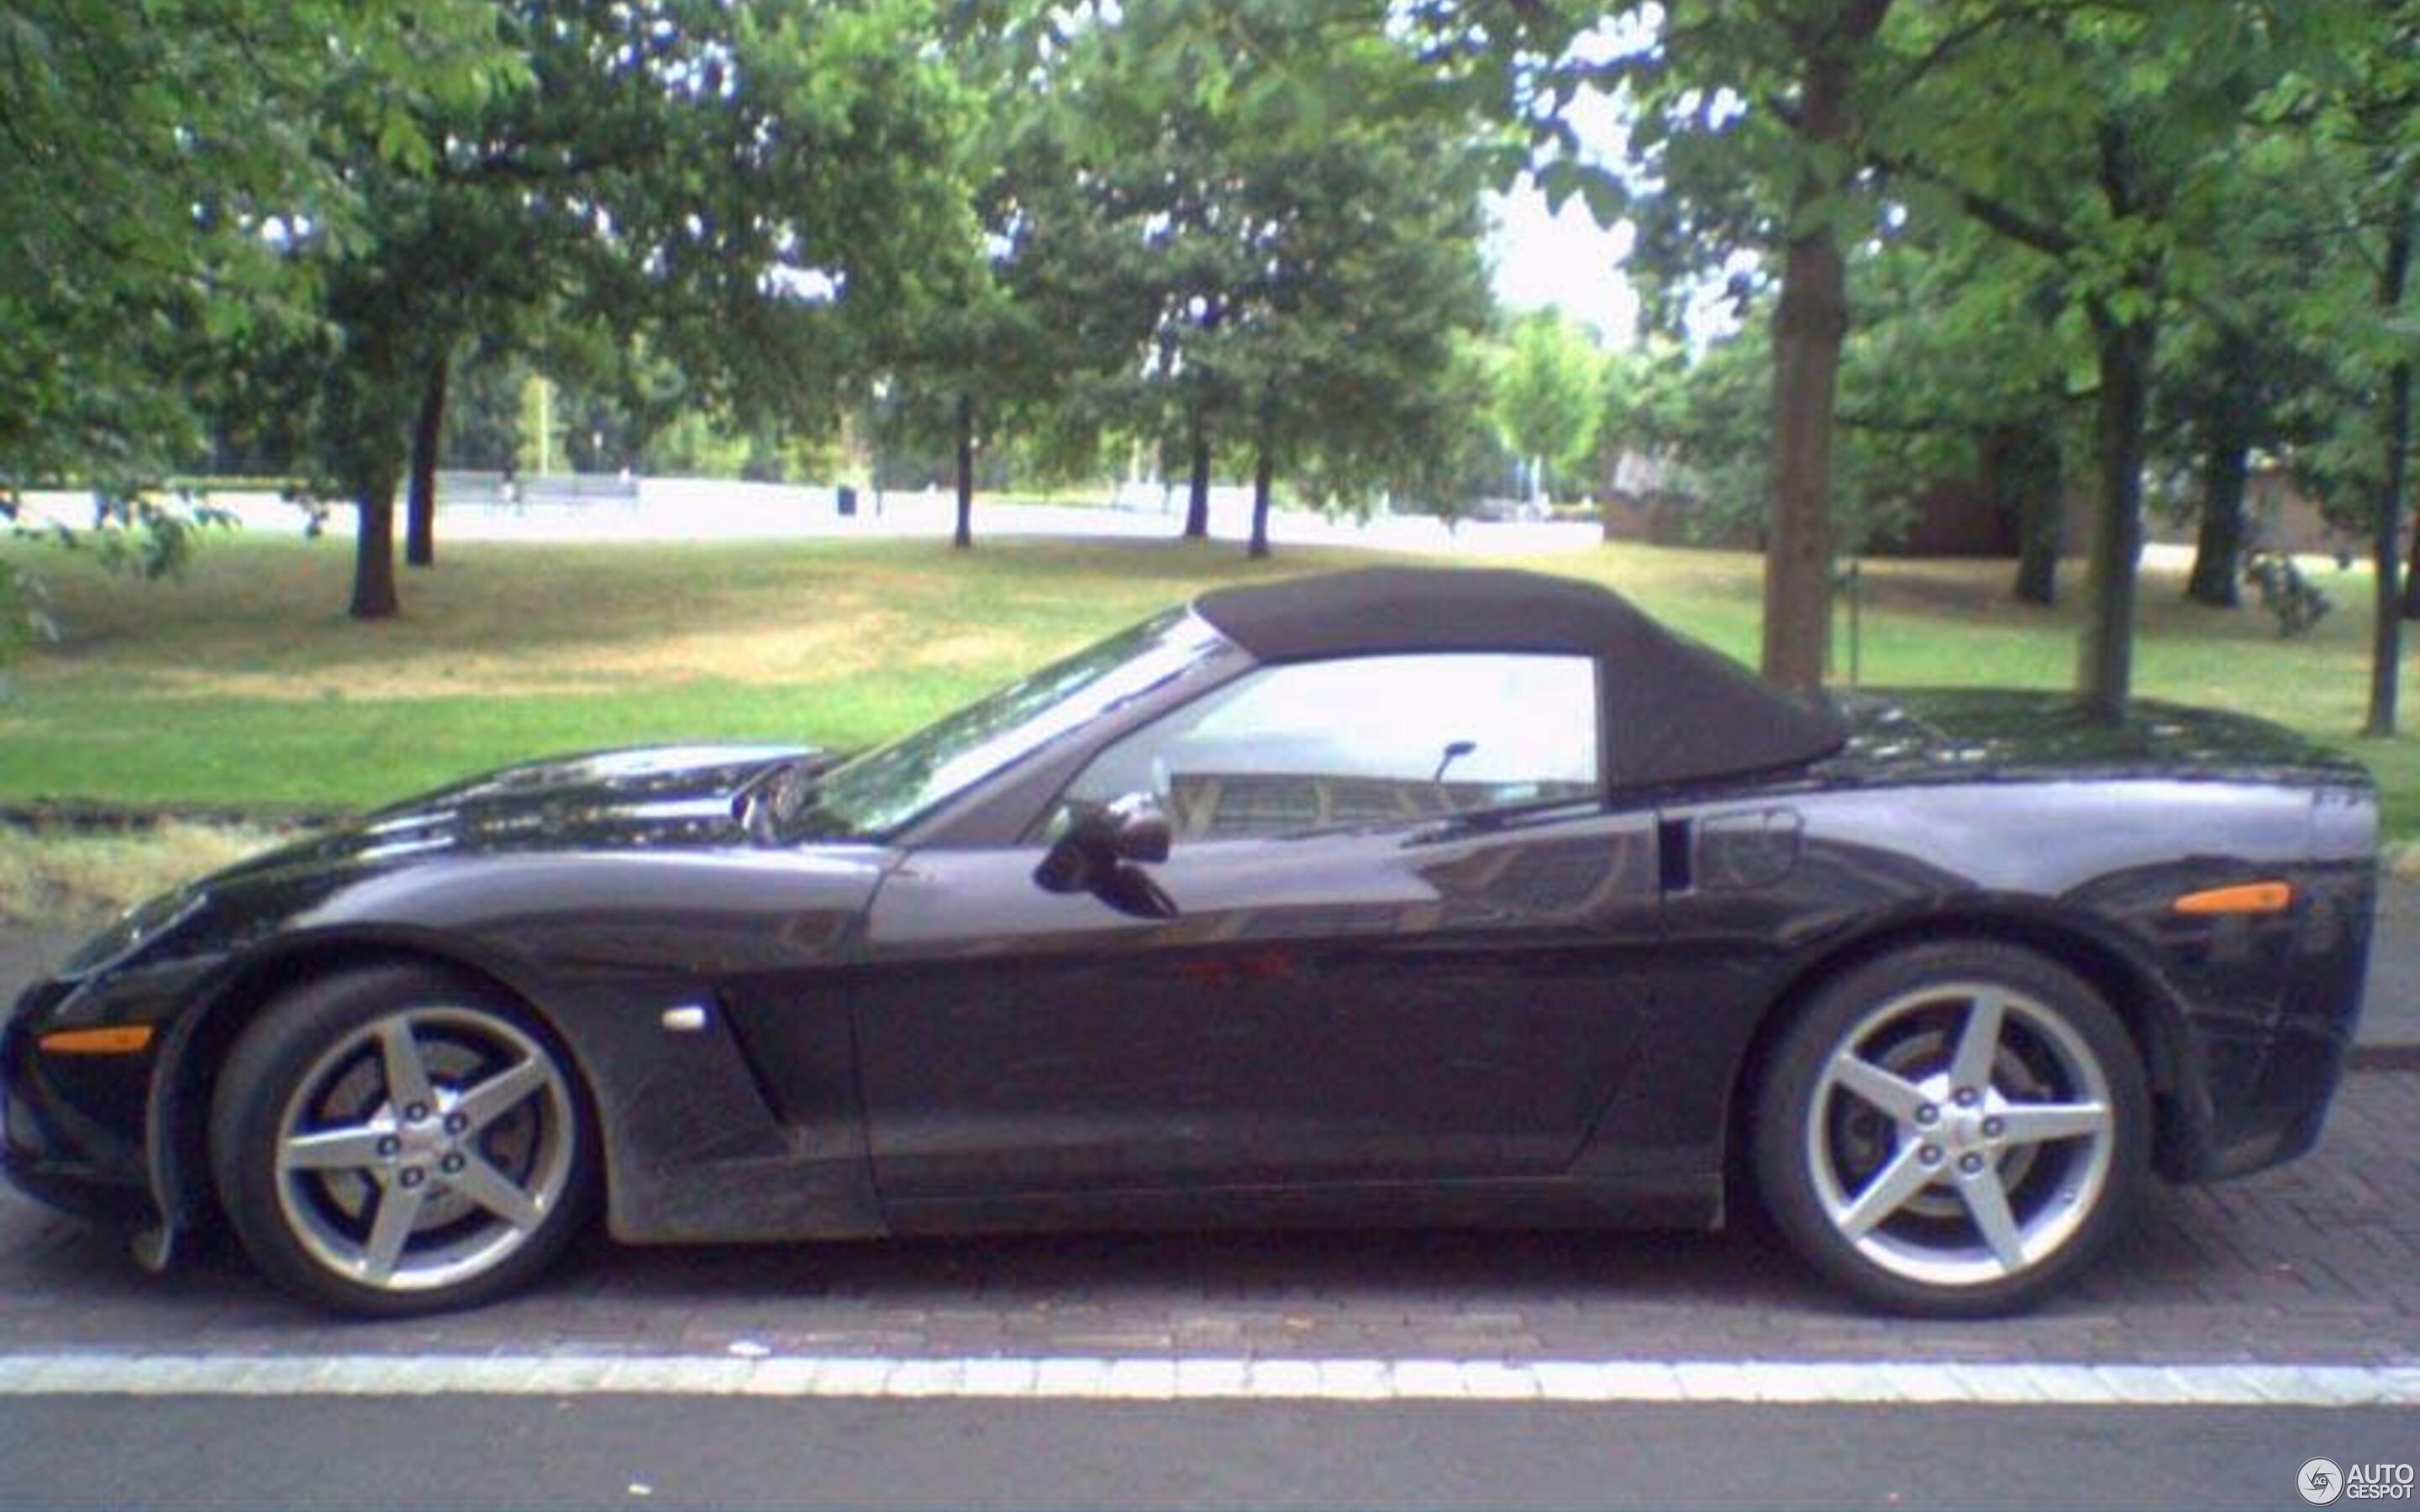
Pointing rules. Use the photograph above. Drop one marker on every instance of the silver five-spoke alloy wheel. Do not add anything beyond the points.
(424, 1149)
(399, 1138)
(1960, 1134)
(1951, 1128)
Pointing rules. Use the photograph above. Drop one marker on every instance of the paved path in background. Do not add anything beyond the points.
(695, 511)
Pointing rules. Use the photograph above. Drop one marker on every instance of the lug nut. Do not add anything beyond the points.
(417, 1112)
(456, 1123)
(1930, 1154)
(389, 1145)
(1971, 1165)
(450, 1164)
(411, 1177)
(1994, 1128)
(1966, 1097)
(1927, 1114)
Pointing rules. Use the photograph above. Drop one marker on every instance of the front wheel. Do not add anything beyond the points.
(399, 1140)
(1952, 1129)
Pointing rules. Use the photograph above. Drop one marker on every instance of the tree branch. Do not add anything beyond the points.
(1995, 213)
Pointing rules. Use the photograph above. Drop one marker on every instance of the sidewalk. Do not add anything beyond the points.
(2390, 1019)
(2390, 1011)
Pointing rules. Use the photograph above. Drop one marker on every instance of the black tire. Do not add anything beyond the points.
(314, 1132)
(1892, 1198)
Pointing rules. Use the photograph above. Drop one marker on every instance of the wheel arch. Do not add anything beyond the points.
(2153, 1018)
(178, 1124)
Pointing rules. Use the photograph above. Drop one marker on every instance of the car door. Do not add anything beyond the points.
(1407, 945)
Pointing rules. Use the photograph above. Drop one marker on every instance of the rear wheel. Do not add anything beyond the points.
(399, 1140)
(1953, 1129)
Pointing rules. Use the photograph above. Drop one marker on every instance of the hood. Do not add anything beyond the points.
(1907, 734)
(649, 798)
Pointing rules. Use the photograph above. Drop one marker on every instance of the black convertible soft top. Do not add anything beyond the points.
(1676, 710)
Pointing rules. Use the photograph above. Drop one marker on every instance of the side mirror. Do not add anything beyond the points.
(1098, 850)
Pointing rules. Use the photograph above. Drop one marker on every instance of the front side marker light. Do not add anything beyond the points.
(119, 1039)
(2245, 897)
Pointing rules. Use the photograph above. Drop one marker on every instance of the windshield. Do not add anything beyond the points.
(889, 787)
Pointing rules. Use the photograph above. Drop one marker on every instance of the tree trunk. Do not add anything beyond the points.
(2386, 649)
(420, 505)
(1197, 496)
(374, 551)
(1807, 328)
(2227, 469)
(1809, 325)
(2105, 665)
(2020, 469)
(965, 538)
(2218, 549)
(1263, 469)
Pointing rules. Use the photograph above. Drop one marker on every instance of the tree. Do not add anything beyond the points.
(1260, 231)
(1372, 293)
(1548, 396)
(1704, 418)
(971, 352)
(2354, 149)
(156, 163)
(152, 162)
(2375, 118)
(2097, 137)
(1831, 38)
(1748, 128)
(1960, 364)
(748, 186)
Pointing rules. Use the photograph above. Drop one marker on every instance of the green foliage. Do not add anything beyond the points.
(25, 609)
(1549, 399)
(156, 158)
(1253, 221)
(689, 204)
(1453, 455)
(695, 444)
(1702, 420)
(156, 165)
(143, 537)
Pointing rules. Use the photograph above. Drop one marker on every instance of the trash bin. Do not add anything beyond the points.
(847, 501)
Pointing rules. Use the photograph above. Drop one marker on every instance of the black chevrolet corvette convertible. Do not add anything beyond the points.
(1385, 897)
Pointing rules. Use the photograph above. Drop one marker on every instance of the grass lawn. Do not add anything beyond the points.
(244, 685)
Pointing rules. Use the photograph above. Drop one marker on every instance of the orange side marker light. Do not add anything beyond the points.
(2247, 898)
(122, 1040)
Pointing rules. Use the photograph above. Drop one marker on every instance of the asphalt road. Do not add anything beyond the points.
(89, 1452)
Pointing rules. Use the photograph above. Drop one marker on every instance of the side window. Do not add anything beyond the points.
(1364, 740)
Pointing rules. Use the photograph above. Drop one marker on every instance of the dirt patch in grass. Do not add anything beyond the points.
(71, 877)
(761, 656)
(262, 619)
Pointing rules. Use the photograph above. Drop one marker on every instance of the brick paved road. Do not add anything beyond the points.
(2316, 1263)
